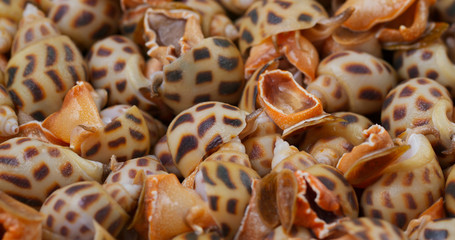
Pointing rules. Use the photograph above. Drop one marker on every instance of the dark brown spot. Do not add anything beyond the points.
(51, 55)
(112, 126)
(235, 122)
(303, 17)
(215, 142)
(136, 135)
(422, 81)
(22, 140)
(399, 112)
(370, 93)
(184, 118)
(19, 181)
(30, 67)
(411, 52)
(5, 146)
(69, 54)
(101, 215)
(173, 97)
(231, 205)
(413, 72)
(187, 144)
(205, 125)
(41, 172)
(205, 106)
(357, 68)
(378, 66)
(389, 179)
(102, 31)
(119, 66)
(34, 89)
(423, 104)
(117, 142)
(84, 229)
(173, 76)
(247, 36)
(115, 225)
(58, 205)
(74, 74)
(228, 88)
(203, 77)
(83, 19)
(225, 229)
(206, 177)
(128, 49)
(103, 52)
(435, 233)
(435, 92)
(66, 169)
(409, 200)
(426, 55)
(93, 150)
(56, 80)
(338, 93)
(426, 176)
(407, 91)
(223, 174)
(98, 73)
(398, 61)
(228, 63)
(201, 98)
(200, 54)
(11, 73)
(352, 199)
(335, 56)
(349, 119)
(9, 160)
(133, 118)
(61, 11)
(327, 182)
(272, 18)
(213, 202)
(116, 177)
(376, 214)
(28, 35)
(120, 85)
(420, 122)
(400, 219)
(64, 231)
(71, 216)
(87, 200)
(50, 221)
(407, 181)
(253, 15)
(432, 74)
(76, 188)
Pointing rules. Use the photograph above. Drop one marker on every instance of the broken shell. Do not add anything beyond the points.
(71, 210)
(430, 61)
(85, 22)
(18, 220)
(284, 100)
(114, 64)
(327, 142)
(366, 228)
(126, 137)
(268, 18)
(416, 176)
(200, 130)
(169, 209)
(38, 76)
(353, 81)
(32, 169)
(226, 188)
(213, 69)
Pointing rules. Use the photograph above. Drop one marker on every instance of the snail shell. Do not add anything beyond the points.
(86, 22)
(416, 176)
(10, 14)
(39, 75)
(8, 118)
(430, 61)
(353, 81)
(367, 228)
(71, 210)
(32, 169)
(201, 129)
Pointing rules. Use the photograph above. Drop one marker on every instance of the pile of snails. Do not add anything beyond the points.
(227, 119)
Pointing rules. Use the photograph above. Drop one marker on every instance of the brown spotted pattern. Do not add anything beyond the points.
(201, 129)
(368, 228)
(30, 170)
(449, 196)
(435, 229)
(112, 67)
(39, 76)
(410, 105)
(266, 18)
(164, 155)
(126, 137)
(407, 187)
(226, 187)
(71, 210)
(353, 81)
(213, 69)
(431, 62)
(85, 21)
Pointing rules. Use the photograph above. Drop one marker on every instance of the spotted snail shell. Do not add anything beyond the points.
(430, 61)
(32, 169)
(367, 228)
(213, 69)
(416, 176)
(8, 118)
(85, 21)
(70, 211)
(353, 81)
(113, 64)
(39, 75)
(201, 129)
(10, 14)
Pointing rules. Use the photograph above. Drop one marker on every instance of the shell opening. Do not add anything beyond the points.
(313, 196)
